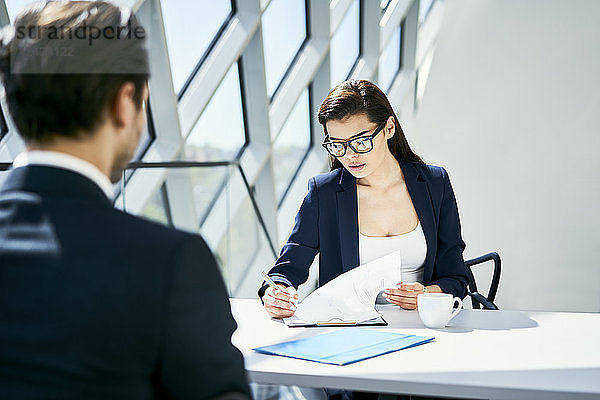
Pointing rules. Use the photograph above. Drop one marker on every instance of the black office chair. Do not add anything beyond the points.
(478, 300)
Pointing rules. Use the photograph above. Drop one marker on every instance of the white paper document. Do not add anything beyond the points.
(349, 298)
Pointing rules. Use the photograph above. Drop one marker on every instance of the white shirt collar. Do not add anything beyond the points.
(65, 161)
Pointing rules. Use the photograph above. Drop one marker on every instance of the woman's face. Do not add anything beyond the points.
(361, 165)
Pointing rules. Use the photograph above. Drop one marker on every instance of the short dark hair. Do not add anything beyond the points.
(62, 64)
(359, 96)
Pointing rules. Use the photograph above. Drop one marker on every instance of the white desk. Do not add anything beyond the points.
(484, 354)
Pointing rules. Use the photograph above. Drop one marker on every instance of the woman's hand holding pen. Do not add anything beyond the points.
(405, 294)
(280, 302)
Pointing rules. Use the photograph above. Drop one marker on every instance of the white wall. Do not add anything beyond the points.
(512, 109)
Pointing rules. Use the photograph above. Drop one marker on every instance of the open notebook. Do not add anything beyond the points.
(350, 298)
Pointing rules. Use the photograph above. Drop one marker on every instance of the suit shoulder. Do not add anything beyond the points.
(328, 179)
(433, 172)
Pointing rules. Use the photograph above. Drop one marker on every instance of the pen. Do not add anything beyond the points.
(269, 280)
(273, 285)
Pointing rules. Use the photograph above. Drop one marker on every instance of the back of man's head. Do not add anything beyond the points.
(63, 63)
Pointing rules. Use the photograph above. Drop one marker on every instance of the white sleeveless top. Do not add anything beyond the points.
(412, 246)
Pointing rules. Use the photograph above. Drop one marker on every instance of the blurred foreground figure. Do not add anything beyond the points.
(96, 303)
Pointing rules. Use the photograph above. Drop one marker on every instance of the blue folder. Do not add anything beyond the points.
(344, 346)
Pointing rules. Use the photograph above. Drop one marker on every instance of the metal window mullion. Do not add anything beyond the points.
(164, 114)
(170, 141)
(255, 97)
(405, 12)
(264, 4)
(337, 12)
(403, 91)
(163, 98)
(183, 211)
(299, 78)
(391, 19)
(409, 37)
(214, 228)
(305, 67)
(367, 65)
(428, 31)
(256, 100)
(265, 199)
(315, 162)
(320, 90)
(208, 78)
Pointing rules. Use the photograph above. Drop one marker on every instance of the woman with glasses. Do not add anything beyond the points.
(379, 197)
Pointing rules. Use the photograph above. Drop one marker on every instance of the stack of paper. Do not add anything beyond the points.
(350, 298)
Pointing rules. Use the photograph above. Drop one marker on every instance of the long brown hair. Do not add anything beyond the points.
(355, 97)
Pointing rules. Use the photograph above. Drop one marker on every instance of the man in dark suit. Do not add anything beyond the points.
(96, 303)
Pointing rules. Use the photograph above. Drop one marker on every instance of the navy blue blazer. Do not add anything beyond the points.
(99, 304)
(327, 223)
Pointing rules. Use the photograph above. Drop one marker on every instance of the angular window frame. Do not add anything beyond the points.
(311, 145)
(401, 40)
(237, 157)
(294, 60)
(207, 52)
(242, 85)
(361, 6)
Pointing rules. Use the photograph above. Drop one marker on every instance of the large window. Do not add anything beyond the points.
(389, 62)
(283, 32)
(219, 132)
(345, 45)
(190, 29)
(291, 145)
(219, 135)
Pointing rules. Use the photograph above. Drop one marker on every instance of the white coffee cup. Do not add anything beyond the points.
(435, 309)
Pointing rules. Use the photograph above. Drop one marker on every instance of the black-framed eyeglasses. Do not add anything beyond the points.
(361, 145)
